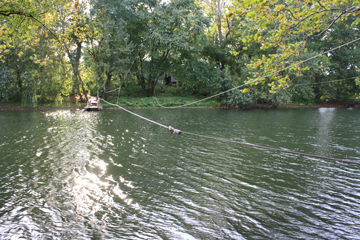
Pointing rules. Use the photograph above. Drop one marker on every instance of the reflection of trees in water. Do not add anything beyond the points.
(323, 137)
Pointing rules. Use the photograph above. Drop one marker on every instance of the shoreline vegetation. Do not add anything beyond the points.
(52, 52)
(150, 103)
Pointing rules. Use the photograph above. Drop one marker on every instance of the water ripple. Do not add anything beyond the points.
(108, 175)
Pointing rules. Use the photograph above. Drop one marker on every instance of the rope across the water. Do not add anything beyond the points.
(177, 131)
(137, 115)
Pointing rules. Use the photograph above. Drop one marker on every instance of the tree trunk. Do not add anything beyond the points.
(316, 89)
(149, 90)
(83, 88)
(229, 25)
(78, 79)
(219, 28)
(108, 81)
(18, 76)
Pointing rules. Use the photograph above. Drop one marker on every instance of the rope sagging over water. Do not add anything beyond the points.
(137, 115)
(177, 131)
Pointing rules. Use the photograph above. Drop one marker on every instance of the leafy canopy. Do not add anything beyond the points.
(283, 27)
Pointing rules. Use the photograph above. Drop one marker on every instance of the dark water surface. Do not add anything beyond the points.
(110, 175)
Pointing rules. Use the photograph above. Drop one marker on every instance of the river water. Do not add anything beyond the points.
(111, 175)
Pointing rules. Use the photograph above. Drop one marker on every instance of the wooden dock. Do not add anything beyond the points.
(93, 104)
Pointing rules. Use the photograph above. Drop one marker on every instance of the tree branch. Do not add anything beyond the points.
(291, 13)
(8, 13)
(227, 33)
(321, 4)
(332, 23)
(337, 18)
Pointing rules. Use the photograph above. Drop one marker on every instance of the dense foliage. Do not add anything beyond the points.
(53, 49)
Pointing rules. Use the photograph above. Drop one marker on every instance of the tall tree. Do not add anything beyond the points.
(24, 20)
(222, 20)
(108, 45)
(73, 28)
(285, 26)
(164, 30)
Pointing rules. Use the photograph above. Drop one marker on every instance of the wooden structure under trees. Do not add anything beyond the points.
(93, 104)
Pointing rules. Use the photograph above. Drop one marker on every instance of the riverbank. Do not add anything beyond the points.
(39, 107)
(338, 104)
(143, 104)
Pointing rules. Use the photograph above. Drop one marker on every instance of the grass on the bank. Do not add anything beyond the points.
(150, 102)
(127, 102)
(135, 97)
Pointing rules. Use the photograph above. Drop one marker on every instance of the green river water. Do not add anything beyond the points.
(111, 175)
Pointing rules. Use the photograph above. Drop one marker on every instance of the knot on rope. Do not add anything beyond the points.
(173, 130)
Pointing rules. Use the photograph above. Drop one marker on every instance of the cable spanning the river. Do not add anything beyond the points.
(256, 79)
(137, 115)
(177, 131)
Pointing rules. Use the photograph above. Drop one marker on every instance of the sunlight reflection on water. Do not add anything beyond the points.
(79, 187)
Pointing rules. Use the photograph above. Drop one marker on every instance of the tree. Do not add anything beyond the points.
(73, 29)
(340, 64)
(109, 50)
(217, 11)
(164, 30)
(285, 27)
(24, 21)
(23, 18)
